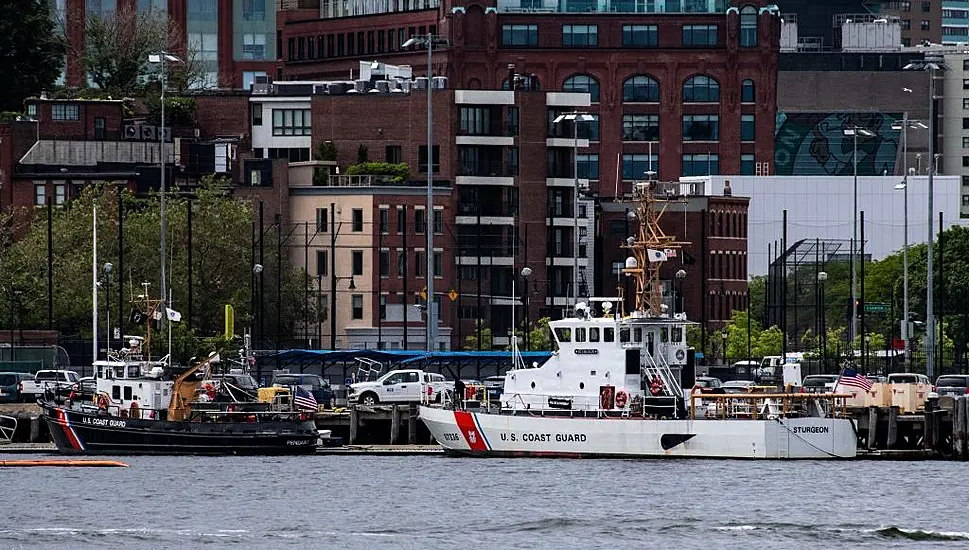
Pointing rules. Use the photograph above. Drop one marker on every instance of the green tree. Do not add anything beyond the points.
(769, 342)
(540, 337)
(737, 336)
(33, 52)
(471, 341)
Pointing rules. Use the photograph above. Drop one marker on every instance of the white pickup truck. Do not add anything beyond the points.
(57, 381)
(400, 386)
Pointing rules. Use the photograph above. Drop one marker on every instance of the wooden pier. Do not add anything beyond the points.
(939, 431)
(379, 425)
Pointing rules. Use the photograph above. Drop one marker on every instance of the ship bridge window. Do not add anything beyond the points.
(624, 335)
(637, 335)
(594, 334)
(608, 334)
(664, 335)
(115, 392)
(132, 371)
(563, 334)
(677, 334)
(580, 335)
(127, 392)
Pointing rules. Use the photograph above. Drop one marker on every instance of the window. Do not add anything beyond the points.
(747, 165)
(519, 35)
(926, 7)
(746, 127)
(401, 263)
(965, 83)
(63, 111)
(357, 306)
(906, 24)
(747, 91)
(60, 194)
(291, 122)
(701, 89)
(640, 89)
(419, 264)
(701, 165)
(357, 220)
(588, 166)
(401, 220)
(439, 222)
(435, 160)
(321, 263)
(475, 121)
(640, 36)
(382, 309)
(357, 260)
(254, 46)
(905, 5)
(384, 220)
(99, 128)
(748, 27)
(924, 25)
(393, 154)
(256, 109)
(321, 220)
(965, 123)
(419, 221)
(589, 129)
(582, 83)
(580, 36)
(965, 102)
(640, 127)
(634, 167)
(253, 10)
(438, 264)
(40, 194)
(701, 127)
(700, 35)
(384, 263)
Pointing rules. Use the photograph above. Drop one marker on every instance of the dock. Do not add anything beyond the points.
(378, 425)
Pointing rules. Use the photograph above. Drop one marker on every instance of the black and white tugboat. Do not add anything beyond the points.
(623, 386)
(145, 406)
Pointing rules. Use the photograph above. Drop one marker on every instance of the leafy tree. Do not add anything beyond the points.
(33, 52)
(540, 337)
(737, 336)
(326, 151)
(471, 341)
(363, 154)
(769, 342)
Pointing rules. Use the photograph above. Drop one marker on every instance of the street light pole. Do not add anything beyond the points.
(576, 117)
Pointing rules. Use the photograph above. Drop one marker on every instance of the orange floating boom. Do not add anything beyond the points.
(62, 463)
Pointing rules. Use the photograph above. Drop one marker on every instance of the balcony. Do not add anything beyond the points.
(486, 172)
(612, 6)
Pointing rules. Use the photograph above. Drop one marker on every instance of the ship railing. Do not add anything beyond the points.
(671, 386)
(8, 427)
(768, 405)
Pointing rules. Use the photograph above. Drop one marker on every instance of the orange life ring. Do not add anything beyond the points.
(656, 386)
(103, 401)
(621, 398)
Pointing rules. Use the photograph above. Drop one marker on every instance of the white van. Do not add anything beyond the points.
(908, 378)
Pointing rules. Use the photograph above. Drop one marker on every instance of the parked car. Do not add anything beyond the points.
(709, 384)
(738, 386)
(952, 384)
(908, 378)
(59, 382)
(818, 383)
(11, 384)
(313, 383)
(495, 385)
(400, 386)
(84, 389)
(876, 378)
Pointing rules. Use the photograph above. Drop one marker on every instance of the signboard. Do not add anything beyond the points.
(876, 307)
(452, 294)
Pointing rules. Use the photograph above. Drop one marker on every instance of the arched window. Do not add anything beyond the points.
(523, 82)
(747, 91)
(701, 89)
(748, 27)
(582, 83)
(640, 89)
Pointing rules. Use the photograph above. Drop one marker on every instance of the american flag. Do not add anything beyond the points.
(850, 377)
(304, 400)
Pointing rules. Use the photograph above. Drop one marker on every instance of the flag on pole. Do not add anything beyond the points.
(655, 255)
(304, 400)
(173, 315)
(851, 377)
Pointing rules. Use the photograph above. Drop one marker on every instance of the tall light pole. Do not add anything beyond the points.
(853, 131)
(575, 117)
(163, 58)
(904, 127)
(929, 64)
(107, 293)
(823, 336)
(429, 41)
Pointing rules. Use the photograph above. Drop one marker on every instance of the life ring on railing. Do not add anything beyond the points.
(680, 355)
(621, 398)
(103, 402)
(135, 410)
(656, 386)
(210, 391)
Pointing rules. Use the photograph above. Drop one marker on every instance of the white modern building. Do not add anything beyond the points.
(820, 207)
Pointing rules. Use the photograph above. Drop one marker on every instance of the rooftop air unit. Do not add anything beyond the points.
(261, 85)
(420, 83)
(383, 86)
(439, 82)
(336, 88)
(405, 85)
(360, 86)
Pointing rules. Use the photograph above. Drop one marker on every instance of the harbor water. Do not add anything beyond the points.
(368, 502)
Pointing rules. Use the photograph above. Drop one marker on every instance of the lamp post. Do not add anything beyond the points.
(429, 41)
(575, 117)
(723, 336)
(163, 58)
(823, 336)
(352, 286)
(107, 292)
(678, 299)
(853, 132)
(867, 351)
(256, 314)
(526, 273)
(930, 64)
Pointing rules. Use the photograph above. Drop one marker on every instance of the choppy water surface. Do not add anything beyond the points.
(435, 502)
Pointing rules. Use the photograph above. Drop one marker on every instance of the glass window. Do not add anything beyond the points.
(435, 160)
(747, 91)
(254, 46)
(40, 194)
(357, 257)
(563, 334)
(64, 111)
(700, 35)
(519, 35)
(384, 220)
(701, 127)
(748, 27)
(292, 122)
(746, 127)
(701, 165)
(747, 165)
(321, 263)
(438, 264)
(640, 36)
(608, 334)
(439, 222)
(357, 220)
(322, 216)
(60, 194)
(419, 221)
(401, 263)
(588, 166)
(640, 89)
(384, 263)
(582, 83)
(580, 335)
(419, 264)
(701, 89)
(580, 36)
(640, 127)
(357, 306)
(634, 167)
(594, 334)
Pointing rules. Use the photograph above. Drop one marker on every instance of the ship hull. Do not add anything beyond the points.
(504, 435)
(80, 433)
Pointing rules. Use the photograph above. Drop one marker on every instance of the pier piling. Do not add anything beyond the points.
(354, 424)
(412, 424)
(394, 424)
(872, 427)
(959, 428)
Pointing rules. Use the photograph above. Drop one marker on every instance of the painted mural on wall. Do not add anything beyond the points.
(814, 144)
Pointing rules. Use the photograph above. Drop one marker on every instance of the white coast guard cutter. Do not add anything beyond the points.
(620, 386)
